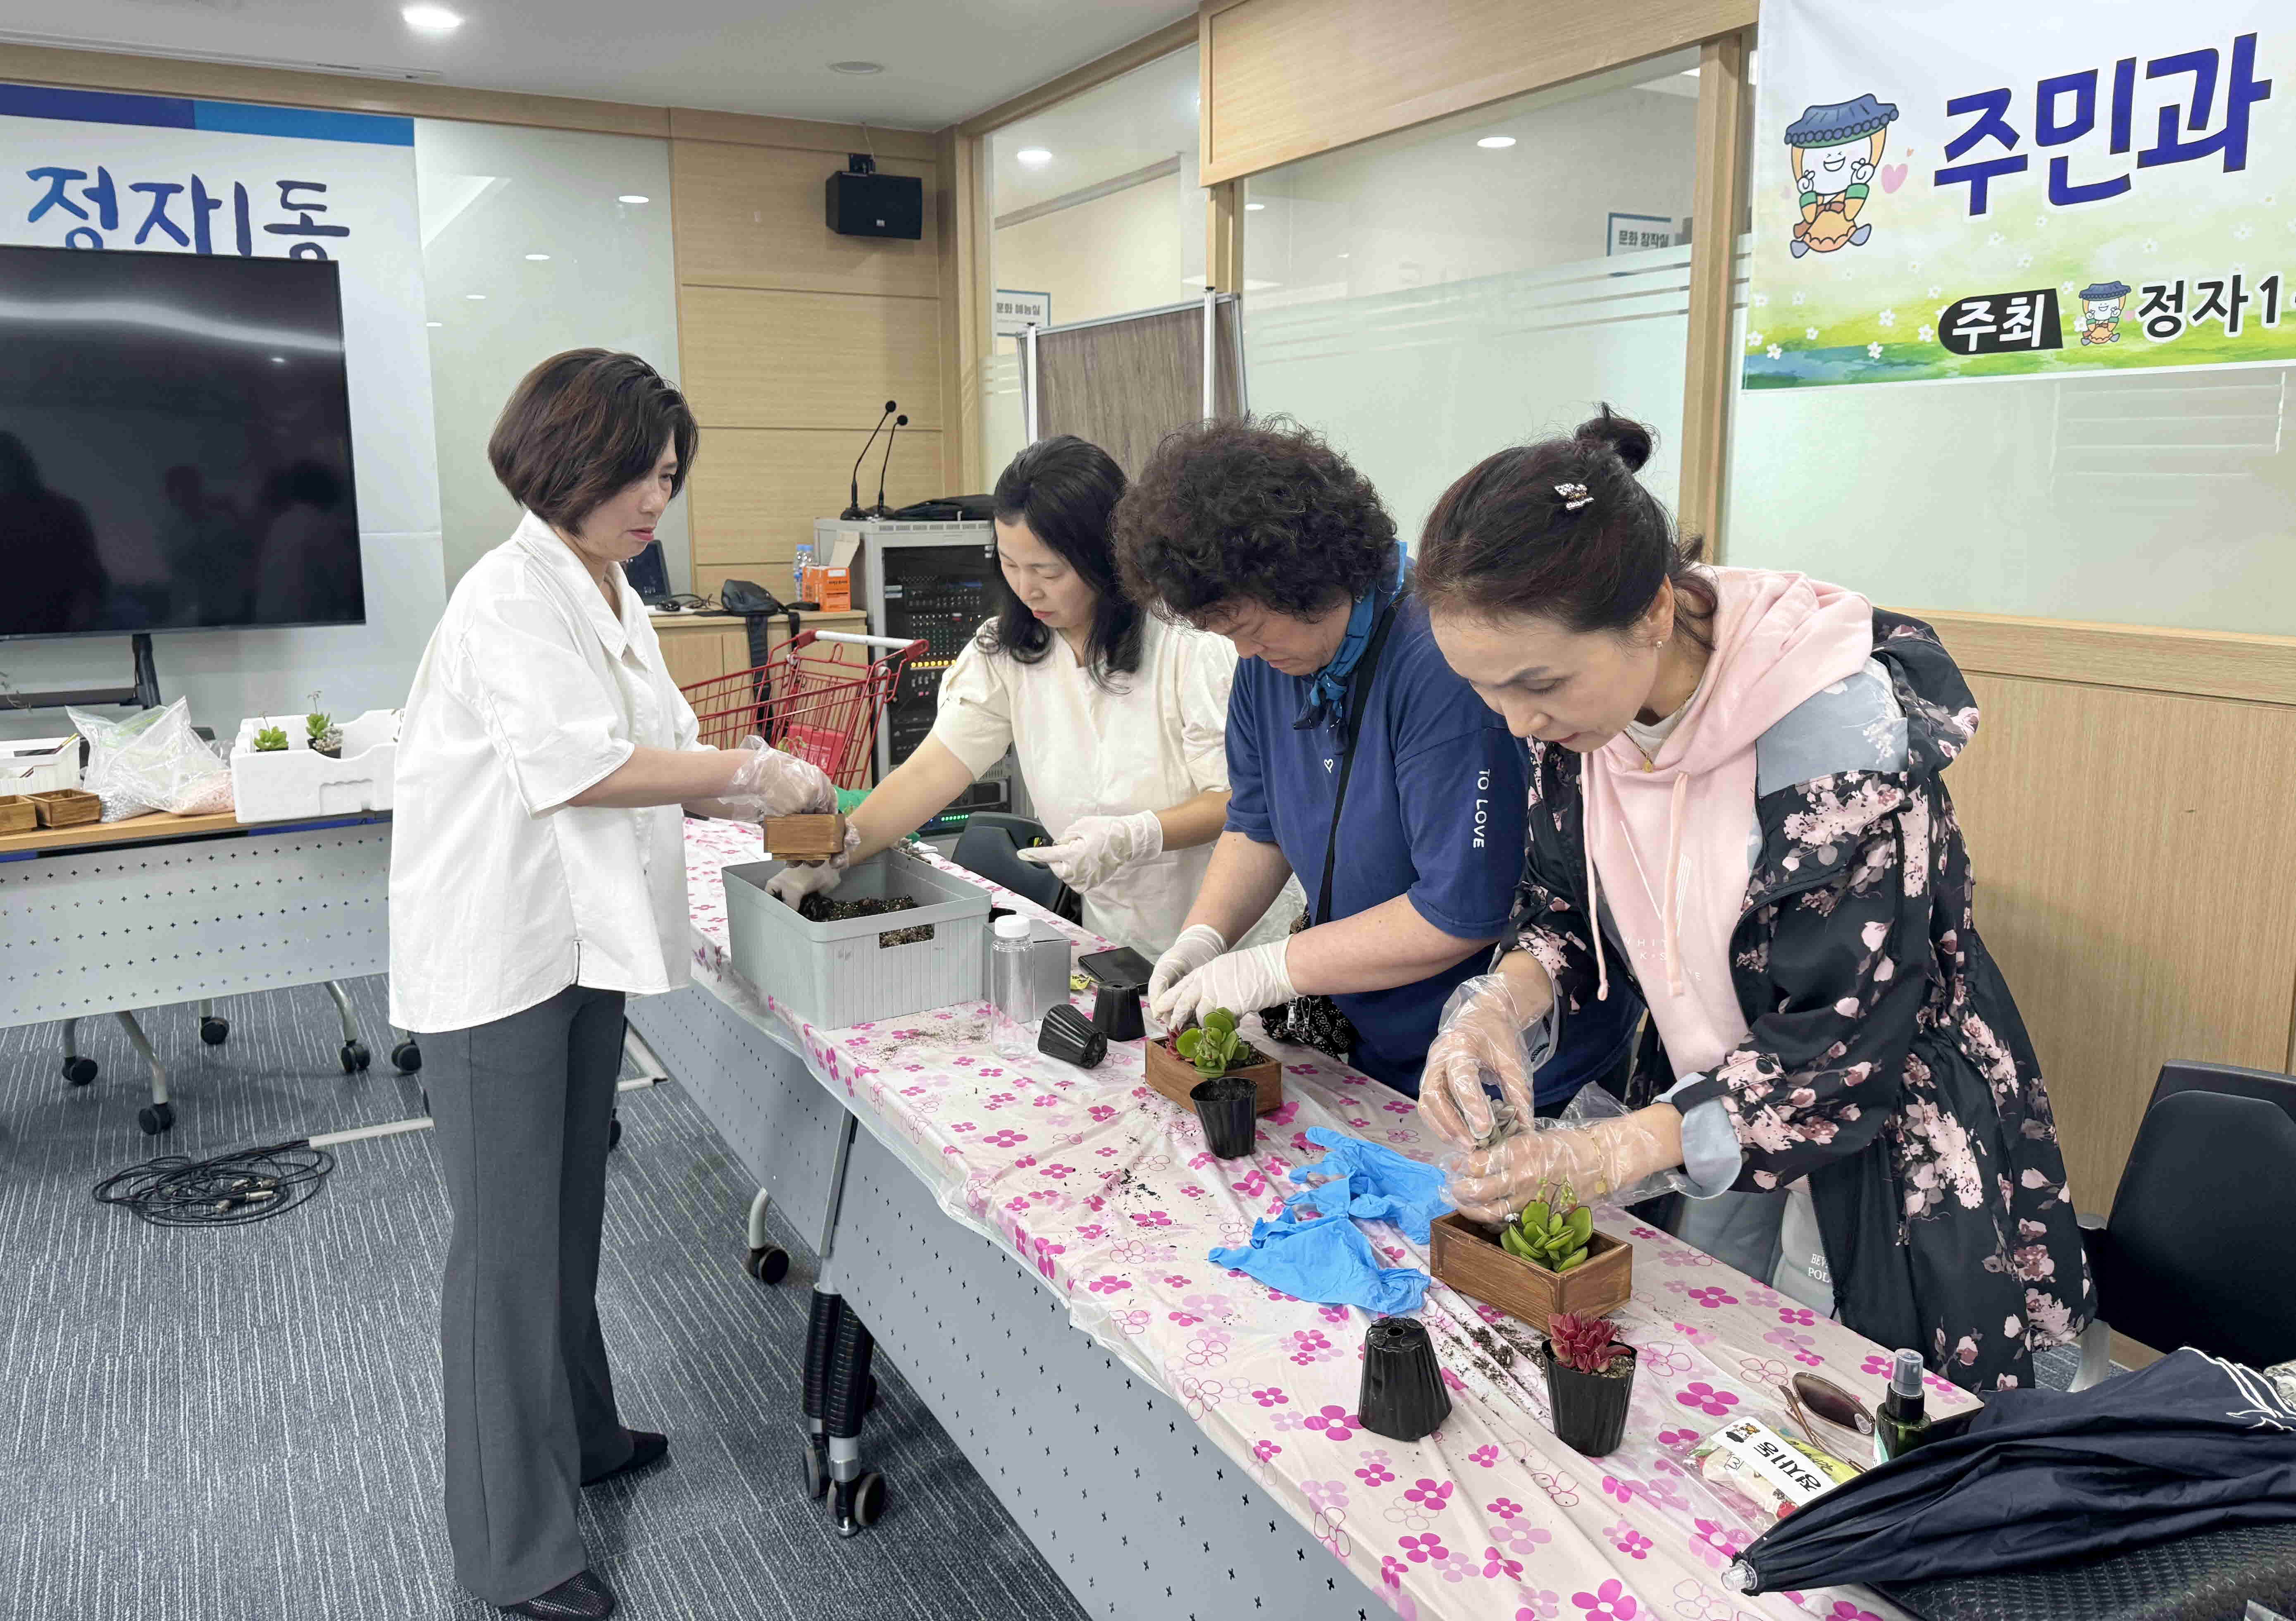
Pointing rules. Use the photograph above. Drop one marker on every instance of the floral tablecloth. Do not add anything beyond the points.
(1107, 1190)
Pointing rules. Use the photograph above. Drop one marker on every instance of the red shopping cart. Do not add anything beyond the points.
(810, 699)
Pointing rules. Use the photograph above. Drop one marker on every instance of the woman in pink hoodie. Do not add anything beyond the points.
(1737, 809)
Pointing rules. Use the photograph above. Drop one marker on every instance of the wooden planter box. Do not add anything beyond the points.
(1478, 1268)
(18, 814)
(1176, 1078)
(804, 838)
(66, 808)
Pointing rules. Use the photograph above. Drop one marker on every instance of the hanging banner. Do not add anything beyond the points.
(1957, 189)
(103, 172)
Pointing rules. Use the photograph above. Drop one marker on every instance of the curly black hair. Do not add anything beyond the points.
(1250, 508)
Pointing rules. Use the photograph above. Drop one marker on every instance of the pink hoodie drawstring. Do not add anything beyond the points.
(1672, 866)
(1587, 771)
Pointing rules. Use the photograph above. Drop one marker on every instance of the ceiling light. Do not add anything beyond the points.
(857, 67)
(434, 323)
(1035, 157)
(632, 197)
(278, 360)
(1496, 143)
(1254, 208)
(430, 19)
(474, 295)
(537, 258)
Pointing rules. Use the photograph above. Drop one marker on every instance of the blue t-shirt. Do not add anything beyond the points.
(1435, 811)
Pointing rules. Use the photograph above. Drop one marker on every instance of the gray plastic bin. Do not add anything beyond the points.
(833, 975)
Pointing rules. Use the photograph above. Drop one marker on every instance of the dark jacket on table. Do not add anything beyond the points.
(1885, 1060)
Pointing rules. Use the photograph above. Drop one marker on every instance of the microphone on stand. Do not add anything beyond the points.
(853, 508)
(881, 510)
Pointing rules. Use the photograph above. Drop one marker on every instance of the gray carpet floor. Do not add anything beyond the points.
(241, 1423)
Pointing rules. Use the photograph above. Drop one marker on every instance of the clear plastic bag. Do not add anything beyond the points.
(152, 762)
(1527, 1159)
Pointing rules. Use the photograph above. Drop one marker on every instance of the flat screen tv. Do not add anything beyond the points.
(175, 444)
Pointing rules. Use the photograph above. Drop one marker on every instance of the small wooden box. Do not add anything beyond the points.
(805, 838)
(1478, 1268)
(1176, 1078)
(18, 814)
(66, 808)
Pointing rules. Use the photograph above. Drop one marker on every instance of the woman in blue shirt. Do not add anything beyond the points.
(1357, 758)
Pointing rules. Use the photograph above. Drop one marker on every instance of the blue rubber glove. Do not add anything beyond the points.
(1327, 1260)
(1371, 1182)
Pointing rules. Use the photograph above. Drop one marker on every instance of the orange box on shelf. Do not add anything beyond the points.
(829, 589)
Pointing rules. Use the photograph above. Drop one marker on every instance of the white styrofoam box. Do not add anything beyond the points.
(39, 765)
(833, 975)
(282, 785)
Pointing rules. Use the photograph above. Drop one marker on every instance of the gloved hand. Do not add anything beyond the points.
(767, 782)
(1096, 848)
(1242, 981)
(793, 884)
(1192, 950)
(1624, 1157)
(1480, 1037)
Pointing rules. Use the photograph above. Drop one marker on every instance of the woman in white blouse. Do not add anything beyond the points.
(537, 877)
(1119, 720)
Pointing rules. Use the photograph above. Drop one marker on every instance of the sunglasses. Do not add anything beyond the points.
(1810, 1397)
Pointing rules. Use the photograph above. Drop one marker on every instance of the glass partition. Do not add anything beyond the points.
(1096, 209)
(1429, 297)
(535, 241)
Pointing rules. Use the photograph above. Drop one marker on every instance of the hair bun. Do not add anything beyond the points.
(1630, 438)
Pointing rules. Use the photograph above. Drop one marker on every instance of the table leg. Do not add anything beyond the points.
(840, 1388)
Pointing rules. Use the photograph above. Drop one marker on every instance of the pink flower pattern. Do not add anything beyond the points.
(1269, 1379)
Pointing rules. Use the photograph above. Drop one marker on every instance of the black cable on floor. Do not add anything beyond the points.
(228, 1191)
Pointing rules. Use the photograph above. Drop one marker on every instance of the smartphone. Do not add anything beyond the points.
(1122, 967)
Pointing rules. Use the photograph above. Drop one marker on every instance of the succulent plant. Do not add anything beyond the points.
(316, 725)
(1584, 1343)
(1213, 1046)
(270, 739)
(1553, 1232)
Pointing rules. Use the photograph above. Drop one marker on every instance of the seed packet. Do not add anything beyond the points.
(1772, 1474)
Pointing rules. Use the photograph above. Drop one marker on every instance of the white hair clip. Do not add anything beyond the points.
(1574, 497)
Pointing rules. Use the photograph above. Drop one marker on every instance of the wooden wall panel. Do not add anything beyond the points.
(1286, 78)
(754, 217)
(754, 492)
(2132, 850)
(756, 360)
(2213, 664)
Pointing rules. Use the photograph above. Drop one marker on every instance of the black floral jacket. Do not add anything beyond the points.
(1885, 1060)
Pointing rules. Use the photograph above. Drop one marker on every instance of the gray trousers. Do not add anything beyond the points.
(522, 1106)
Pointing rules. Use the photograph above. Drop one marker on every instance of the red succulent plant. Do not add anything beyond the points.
(1584, 1343)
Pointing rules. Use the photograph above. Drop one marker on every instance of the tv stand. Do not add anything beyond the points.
(144, 694)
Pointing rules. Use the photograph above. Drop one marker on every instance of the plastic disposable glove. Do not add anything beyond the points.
(770, 783)
(1242, 981)
(1480, 1040)
(1596, 1149)
(1371, 1181)
(1096, 848)
(1192, 950)
(793, 884)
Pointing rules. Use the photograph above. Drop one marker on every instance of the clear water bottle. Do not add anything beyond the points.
(1012, 995)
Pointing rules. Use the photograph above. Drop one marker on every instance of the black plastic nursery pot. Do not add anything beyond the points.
(1402, 1395)
(1590, 1409)
(1229, 1108)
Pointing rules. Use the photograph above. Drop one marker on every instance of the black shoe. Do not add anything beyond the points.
(646, 1449)
(585, 1597)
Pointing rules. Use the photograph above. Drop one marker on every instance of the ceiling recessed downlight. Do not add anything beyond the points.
(633, 197)
(1254, 208)
(1496, 143)
(474, 295)
(430, 19)
(1034, 157)
(537, 258)
(857, 67)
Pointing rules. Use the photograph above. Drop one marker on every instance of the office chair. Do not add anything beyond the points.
(2196, 1252)
(990, 845)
